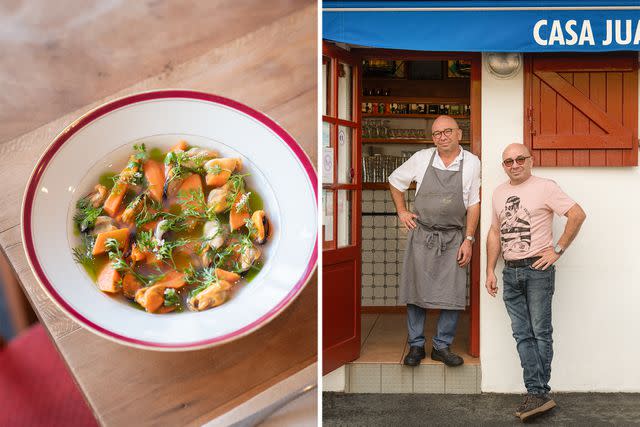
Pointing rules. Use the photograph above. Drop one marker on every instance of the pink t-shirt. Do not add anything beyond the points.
(524, 215)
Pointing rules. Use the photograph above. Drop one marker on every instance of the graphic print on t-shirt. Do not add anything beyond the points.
(515, 227)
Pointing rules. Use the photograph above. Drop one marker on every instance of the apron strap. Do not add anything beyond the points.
(435, 238)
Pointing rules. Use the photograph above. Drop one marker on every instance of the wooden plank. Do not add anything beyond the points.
(564, 142)
(604, 61)
(564, 120)
(548, 125)
(121, 43)
(580, 121)
(630, 114)
(614, 111)
(597, 90)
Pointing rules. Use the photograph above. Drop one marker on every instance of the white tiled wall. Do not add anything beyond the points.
(383, 244)
(382, 248)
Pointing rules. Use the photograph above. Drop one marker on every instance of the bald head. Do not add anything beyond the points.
(517, 163)
(446, 136)
(444, 122)
(514, 150)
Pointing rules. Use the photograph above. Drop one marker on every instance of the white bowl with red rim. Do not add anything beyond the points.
(100, 141)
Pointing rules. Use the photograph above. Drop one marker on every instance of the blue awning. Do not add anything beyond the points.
(485, 26)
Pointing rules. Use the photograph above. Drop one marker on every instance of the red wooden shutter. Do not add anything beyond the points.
(582, 110)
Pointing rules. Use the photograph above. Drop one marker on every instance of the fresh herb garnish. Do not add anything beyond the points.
(86, 214)
(235, 185)
(141, 152)
(117, 260)
(205, 277)
(251, 228)
(182, 164)
(194, 206)
(214, 170)
(83, 253)
(144, 239)
(242, 203)
(150, 211)
(171, 298)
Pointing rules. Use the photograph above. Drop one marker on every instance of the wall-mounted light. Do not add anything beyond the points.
(503, 65)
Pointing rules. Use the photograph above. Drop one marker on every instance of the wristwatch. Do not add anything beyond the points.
(558, 249)
(471, 239)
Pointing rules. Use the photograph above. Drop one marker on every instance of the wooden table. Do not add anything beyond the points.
(57, 65)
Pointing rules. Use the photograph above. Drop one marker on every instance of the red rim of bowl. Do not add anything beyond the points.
(92, 115)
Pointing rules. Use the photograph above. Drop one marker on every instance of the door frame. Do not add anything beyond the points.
(476, 145)
(348, 349)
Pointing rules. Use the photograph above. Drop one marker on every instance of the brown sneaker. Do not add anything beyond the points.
(536, 405)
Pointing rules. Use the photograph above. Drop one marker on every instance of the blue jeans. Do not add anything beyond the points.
(447, 323)
(527, 295)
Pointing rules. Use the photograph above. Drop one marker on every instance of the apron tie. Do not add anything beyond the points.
(435, 238)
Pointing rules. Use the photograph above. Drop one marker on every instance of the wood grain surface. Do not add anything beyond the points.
(262, 54)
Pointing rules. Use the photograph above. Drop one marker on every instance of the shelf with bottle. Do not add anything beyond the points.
(420, 141)
(394, 108)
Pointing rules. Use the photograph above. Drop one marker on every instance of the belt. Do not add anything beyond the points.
(521, 262)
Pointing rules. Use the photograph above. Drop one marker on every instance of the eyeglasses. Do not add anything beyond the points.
(519, 160)
(446, 132)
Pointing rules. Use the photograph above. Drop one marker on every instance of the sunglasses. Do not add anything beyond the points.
(519, 160)
(446, 132)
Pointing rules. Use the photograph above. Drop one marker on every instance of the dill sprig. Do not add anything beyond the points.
(83, 253)
(86, 215)
(118, 262)
(146, 215)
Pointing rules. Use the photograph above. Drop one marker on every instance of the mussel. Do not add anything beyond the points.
(218, 199)
(261, 224)
(213, 296)
(98, 196)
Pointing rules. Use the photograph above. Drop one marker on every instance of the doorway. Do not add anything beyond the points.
(397, 95)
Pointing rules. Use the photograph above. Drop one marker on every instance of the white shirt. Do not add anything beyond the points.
(414, 169)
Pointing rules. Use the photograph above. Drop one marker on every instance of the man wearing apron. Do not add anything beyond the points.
(447, 209)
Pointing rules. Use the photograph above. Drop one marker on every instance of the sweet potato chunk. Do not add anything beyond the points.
(121, 235)
(108, 279)
(154, 172)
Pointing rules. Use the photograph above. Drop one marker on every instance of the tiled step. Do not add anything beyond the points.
(380, 370)
(427, 378)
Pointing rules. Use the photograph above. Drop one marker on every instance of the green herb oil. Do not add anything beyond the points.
(106, 179)
(156, 154)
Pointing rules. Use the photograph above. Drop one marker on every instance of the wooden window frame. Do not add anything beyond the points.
(618, 146)
(336, 57)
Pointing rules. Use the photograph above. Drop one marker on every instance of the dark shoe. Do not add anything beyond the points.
(523, 405)
(446, 356)
(537, 404)
(415, 355)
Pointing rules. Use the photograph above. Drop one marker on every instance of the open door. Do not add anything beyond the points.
(341, 185)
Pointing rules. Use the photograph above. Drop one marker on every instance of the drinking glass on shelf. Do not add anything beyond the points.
(385, 128)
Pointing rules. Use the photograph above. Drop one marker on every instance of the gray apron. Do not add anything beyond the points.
(431, 276)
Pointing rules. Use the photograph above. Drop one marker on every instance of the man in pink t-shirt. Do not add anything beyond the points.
(521, 229)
